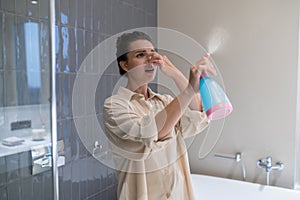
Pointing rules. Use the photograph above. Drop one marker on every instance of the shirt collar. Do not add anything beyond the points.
(128, 94)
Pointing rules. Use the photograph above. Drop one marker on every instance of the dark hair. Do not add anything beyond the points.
(123, 43)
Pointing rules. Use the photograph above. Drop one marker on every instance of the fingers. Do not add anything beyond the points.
(155, 58)
(194, 78)
(196, 71)
(166, 60)
(204, 65)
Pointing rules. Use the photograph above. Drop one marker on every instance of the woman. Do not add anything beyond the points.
(146, 130)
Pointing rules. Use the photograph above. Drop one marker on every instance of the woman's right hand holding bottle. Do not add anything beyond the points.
(200, 68)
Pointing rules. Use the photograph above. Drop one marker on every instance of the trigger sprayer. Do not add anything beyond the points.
(215, 102)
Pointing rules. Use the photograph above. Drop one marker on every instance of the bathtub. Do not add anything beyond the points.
(214, 188)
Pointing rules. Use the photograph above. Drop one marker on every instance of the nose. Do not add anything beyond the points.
(149, 57)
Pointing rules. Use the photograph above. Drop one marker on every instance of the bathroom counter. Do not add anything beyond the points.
(27, 145)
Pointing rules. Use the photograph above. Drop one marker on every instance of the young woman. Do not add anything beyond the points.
(146, 130)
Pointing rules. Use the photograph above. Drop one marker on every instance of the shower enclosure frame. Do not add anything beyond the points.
(53, 101)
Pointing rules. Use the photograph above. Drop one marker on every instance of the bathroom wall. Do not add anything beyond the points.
(80, 26)
(258, 61)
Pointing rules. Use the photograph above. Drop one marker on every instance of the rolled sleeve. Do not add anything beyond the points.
(193, 122)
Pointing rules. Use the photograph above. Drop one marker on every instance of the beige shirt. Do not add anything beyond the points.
(148, 168)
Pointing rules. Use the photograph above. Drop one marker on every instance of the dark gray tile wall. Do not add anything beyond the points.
(80, 26)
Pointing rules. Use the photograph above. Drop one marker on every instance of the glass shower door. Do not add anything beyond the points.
(26, 170)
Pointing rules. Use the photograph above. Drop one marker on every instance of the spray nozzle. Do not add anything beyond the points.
(207, 55)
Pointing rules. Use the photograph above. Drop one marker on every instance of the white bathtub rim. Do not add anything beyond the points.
(214, 188)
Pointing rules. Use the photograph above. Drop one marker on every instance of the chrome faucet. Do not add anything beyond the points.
(98, 150)
(237, 158)
(266, 164)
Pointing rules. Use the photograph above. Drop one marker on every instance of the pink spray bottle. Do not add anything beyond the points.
(215, 102)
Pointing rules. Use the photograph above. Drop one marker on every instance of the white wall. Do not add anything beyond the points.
(259, 65)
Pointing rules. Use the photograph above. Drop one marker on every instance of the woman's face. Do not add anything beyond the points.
(138, 65)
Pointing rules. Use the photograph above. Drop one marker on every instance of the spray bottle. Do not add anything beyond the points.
(215, 102)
